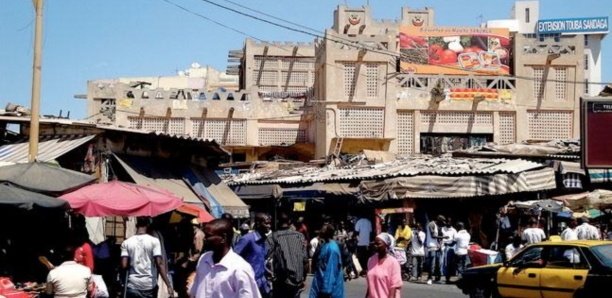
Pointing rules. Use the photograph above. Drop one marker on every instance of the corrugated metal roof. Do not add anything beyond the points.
(49, 148)
(441, 166)
(81, 123)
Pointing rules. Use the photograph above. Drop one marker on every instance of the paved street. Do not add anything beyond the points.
(357, 288)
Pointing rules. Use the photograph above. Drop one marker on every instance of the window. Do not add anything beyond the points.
(586, 40)
(526, 15)
(565, 257)
(586, 86)
(538, 76)
(372, 80)
(560, 83)
(586, 62)
(530, 255)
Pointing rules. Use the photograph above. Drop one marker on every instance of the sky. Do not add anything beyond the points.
(88, 40)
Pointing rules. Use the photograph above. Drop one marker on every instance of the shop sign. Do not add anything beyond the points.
(573, 25)
(596, 135)
(455, 50)
(484, 94)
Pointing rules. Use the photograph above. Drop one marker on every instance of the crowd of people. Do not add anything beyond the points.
(231, 259)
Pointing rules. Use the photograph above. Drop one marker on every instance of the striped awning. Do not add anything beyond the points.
(437, 187)
(49, 148)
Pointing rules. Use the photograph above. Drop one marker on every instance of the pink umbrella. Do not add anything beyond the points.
(118, 198)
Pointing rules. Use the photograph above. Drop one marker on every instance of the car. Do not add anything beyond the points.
(549, 269)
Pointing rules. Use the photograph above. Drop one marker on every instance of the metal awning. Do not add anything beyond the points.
(438, 187)
(49, 148)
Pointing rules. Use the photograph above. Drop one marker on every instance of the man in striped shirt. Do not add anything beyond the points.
(288, 256)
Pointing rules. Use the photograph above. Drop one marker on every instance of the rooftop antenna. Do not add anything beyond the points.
(481, 18)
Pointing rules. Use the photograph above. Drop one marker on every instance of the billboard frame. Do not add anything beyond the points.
(605, 103)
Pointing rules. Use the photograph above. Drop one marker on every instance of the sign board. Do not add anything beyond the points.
(573, 25)
(455, 50)
(596, 132)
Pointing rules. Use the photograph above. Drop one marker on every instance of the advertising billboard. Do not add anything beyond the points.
(455, 50)
(595, 132)
(573, 25)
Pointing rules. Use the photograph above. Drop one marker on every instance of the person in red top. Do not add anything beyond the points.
(301, 227)
(84, 253)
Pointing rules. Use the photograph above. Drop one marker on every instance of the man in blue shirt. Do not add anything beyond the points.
(328, 280)
(252, 247)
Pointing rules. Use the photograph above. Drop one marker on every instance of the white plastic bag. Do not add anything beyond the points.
(100, 290)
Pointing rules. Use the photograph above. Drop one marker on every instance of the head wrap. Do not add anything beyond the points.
(387, 239)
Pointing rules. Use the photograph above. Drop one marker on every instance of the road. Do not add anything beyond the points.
(357, 288)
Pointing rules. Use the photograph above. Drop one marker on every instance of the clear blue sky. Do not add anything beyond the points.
(87, 39)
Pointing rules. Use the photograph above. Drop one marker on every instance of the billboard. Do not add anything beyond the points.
(595, 132)
(455, 50)
(573, 25)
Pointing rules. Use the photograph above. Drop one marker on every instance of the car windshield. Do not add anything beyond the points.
(604, 253)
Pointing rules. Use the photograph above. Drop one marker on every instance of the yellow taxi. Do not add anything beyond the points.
(550, 269)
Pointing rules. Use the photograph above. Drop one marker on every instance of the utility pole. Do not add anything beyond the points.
(36, 71)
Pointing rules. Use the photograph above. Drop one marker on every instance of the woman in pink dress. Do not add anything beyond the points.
(384, 273)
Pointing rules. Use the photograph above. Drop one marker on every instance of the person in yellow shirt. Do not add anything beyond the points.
(403, 234)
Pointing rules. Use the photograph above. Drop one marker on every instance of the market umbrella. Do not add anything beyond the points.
(25, 199)
(44, 177)
(196, 211)
(118, 198)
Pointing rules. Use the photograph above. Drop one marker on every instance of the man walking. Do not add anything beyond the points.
(289, 257)
(141, 256)
(252, 247)
(586, 231)
(220, 272)
(570, 232)
(462, 242)
(363, 230)
(328, 280)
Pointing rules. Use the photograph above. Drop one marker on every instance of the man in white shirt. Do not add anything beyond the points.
(586, 231)
(533, 234)
(69, 280)
(417, 251)
(570, 232)
(462, 242)
(222, 273)
(434, 252)
(448, 249)
(514, 247)
(363, 229)
(141, 256)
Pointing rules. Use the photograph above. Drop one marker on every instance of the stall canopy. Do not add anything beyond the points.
(118, 198)
(44, 177)
(597, 199)
(194, 185)
(149, 173)
(14, 196)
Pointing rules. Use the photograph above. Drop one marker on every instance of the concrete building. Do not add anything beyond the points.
(406, 86)
(431, 107)
(250, 123)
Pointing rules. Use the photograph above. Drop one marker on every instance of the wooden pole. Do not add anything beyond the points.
(36, 71)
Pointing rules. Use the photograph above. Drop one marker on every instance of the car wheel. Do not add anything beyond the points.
(480, 292)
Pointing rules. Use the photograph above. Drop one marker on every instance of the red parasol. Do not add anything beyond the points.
(118, 198)
(198, 212)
